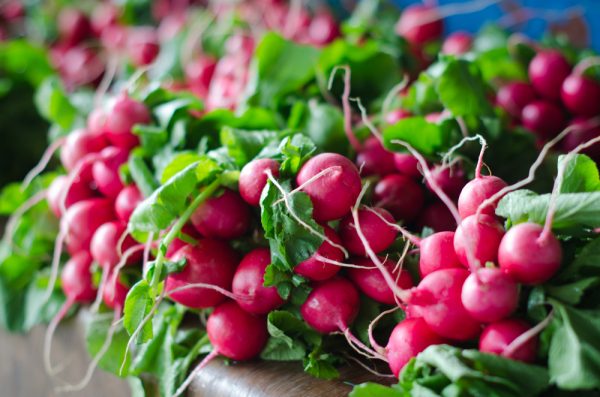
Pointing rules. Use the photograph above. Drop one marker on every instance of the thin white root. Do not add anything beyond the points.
(312, 179)
(216, 288)
(378, 348)
(300, 221)
(188, 381)
(122, 263)
(341, 264)
(526, 336)
(361, 347)
(346, 105)
(96, 305)
(366, 121)
(112, 65)
(50, 335)
(405, 233)
(367, 368)
(43, 163)
(11, 224)
(72, 176)
(450, 152)
(58, 246)
(94, 363)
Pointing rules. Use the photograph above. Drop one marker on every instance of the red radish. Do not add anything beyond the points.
(104, 16)
(514, 96)
(127, 201)
(438, 295)
(436, 117)
(317, 269)
(476, 192)
(82, 220)
(226, 216)
(544, 118)
(437, 252)
(375, 159)
(79, 190)
(248, 281)
(104, 246)
(409, 338)
(438, 217)
(114, 38)
(396, 115)
(420, 24)
(124, 114)
(377, 232)
(80, 66)
(372, 283)
(224, 328)
(73, 26)
(400, 195)
(12, 10)
(331, 306)
(199, 73)
(190, 232)
(142, 45)
(477, 239)
(530, 256)
(323, 29)
(106, 171)
(490, 295)
(581, 95)
(335, 187)
(114, 294)
(582, 132)
(547, 71)
(496, 337)
(457, 43)
(79, 144)
(408, 165)
(450, 179)
(253, 179)
(210, 262)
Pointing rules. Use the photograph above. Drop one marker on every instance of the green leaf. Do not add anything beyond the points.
(141, 174)
(574, 356)
(25, 59)
(179, 162)
(279, 67)
(296, 150)
(498, 63)
(325, 127)
(54, 105)
(580, 175)
(461, 89)
(374, 390)
(138, 304)
(586, 262)
(428, 138)
(572, 293)
(244, 145)
(96, 331)
(152, 138)
(170, 112)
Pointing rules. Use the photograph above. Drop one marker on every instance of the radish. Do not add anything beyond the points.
(81, 66)
(333, 184)
(210, 262)
(248, 281)
(127, 201)
(528, 254)
(372, 283)
(78, 192)
(374, 159)
(420, 24)
(331, 306)
(476, 192)
(497, 337)
(396, 115)
(582, 132)
(142, 45)
(581, 95)
(490, 295)
(374, 225)
(320, 265)
(409, 338)
(226, 216)
(253, 179)
(547, 71)
(437, 252)
(438, 296)
(407, 165)
(104, 16)
(544, 118)
(477, 239)
(106, 171)
(457, 43)
(124, 114)
(73, 26)
(82, 220)
(114, 294)
(514, 96)
(438, 217)
(400, 195)
(105, 248)
(323, 29)
(450, 179)
(190, 232)
(77, 145)
(199, 73)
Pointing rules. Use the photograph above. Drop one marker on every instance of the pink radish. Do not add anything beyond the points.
(396, 115)
(581, 95)
(477, 239)
(323, 29)
(583, 132)
(544, 118)
(127, 201)
(457, 43)
(372, 283)
(142, 46)
(438, 217)
(513, 97)
(82, 220)
(400, 195)
(106, 171)
(77, 145)
(253, 179)
(248, 281)
(496, 337)
(528, 254)
(114, 294)
(104, 245)
(438, 296)
(73, 26)
(190, 232)
(409, 338)
(317, 267)
(476, 192)
(374, 159)
(450, 179)
(80, 190)
(407, 165)
(335, 187)
(199, 73)
(124, 114)
(373, 224)
(420, 24)
(547, 71)
(226, 216)
(490, 295)
(437, 252)
(210, 262)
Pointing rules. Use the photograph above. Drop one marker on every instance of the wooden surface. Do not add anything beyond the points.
(22, 373)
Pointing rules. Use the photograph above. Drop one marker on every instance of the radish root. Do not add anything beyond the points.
(43, 163)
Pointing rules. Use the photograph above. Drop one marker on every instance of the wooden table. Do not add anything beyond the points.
(22, 372)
